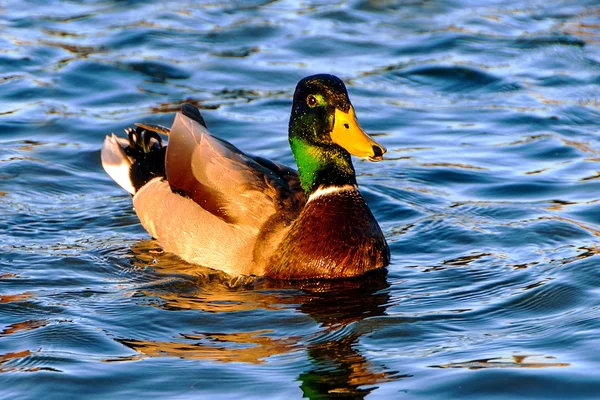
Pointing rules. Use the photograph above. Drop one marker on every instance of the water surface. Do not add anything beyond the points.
(488, 199)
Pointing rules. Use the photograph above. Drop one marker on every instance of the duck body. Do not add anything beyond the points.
(213, 205)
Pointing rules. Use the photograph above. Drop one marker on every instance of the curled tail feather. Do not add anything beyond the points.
(135, 161)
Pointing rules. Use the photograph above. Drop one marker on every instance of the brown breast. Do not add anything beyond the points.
(335, 236)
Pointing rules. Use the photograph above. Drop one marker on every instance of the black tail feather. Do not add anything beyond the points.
(146, 148)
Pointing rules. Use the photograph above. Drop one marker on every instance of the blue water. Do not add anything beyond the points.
(488, 198)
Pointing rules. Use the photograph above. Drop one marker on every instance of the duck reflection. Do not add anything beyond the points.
(337, 366)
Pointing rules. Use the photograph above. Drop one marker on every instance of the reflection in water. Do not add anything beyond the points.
(336, 363)
(12, 298)
(8, 358)
(28, 325)
(248, 347)
(521, 361)
(337, 366)
(23, 361)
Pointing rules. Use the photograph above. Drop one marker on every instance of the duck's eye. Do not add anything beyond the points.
(311, 100)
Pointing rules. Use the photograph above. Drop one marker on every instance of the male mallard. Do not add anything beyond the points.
(213, 205)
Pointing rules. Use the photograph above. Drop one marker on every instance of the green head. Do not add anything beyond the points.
(323, 132)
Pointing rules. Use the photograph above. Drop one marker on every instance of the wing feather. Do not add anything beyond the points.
(221, 178)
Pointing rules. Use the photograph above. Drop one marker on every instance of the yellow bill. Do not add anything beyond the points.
(348, 134)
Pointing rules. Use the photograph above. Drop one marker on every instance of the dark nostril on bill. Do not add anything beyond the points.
(346, 126)
(378, 151)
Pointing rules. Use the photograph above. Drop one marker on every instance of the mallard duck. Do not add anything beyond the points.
(211, 204)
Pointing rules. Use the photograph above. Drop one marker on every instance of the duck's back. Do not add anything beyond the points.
(214, 201)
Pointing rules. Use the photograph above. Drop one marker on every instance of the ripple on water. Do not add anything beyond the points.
(455, 79)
